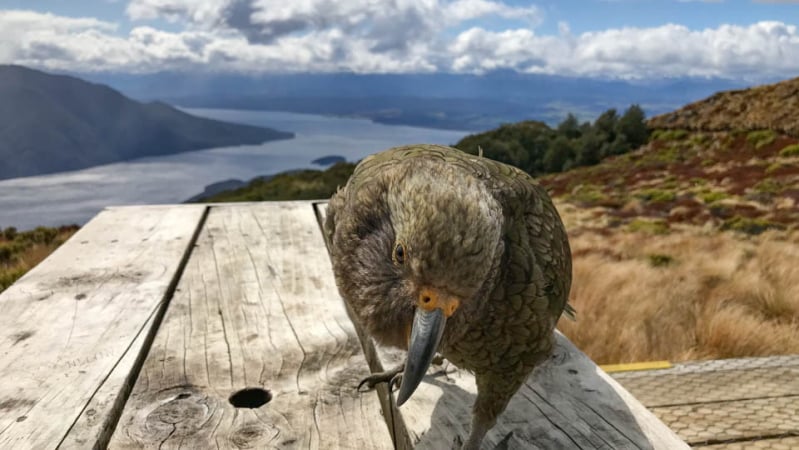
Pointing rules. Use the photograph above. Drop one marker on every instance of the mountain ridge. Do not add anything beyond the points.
(52, 123)
(769, 107)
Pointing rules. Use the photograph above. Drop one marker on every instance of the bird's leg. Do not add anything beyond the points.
(392, 376)
(494, 391)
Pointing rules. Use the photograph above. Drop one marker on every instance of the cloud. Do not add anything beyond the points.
(373, 36)
(764, 49)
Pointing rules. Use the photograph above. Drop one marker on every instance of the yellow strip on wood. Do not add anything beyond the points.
(646, 365)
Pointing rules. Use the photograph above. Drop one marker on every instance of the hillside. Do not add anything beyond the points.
(691, 241)
(773, 107)
(52, 123)
(744, 180)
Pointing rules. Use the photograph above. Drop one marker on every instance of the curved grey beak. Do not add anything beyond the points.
(426, 332)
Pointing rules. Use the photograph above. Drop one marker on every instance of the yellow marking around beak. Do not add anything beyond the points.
(430, 299)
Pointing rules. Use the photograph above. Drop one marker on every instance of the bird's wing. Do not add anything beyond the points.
(534, 231)
(537, 231)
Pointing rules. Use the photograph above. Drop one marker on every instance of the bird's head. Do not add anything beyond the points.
(429, 248)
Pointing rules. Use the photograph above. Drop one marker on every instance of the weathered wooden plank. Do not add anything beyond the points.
(782, 443)
(96, 423)
(567, 403)
(256, 307)
(751, 419)
(81, 316)
(715, 381)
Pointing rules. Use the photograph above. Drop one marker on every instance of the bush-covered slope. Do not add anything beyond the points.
(295, 185)
(538, 149)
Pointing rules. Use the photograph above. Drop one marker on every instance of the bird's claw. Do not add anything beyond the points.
(395, 382)
(392, 377)
(457, 442)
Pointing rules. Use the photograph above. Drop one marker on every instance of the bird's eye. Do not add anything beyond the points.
(399, 254)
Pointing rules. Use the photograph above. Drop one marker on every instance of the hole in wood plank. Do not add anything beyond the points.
(250, 398)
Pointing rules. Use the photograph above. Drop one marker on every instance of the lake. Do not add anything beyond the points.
(76, 196)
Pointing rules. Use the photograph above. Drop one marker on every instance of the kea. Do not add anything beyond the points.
(436, 250)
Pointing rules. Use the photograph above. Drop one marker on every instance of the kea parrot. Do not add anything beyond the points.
(437, 250)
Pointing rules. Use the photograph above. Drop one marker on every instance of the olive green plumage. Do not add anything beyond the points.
(477, 229)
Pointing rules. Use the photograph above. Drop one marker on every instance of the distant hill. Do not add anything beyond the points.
(772, 107)
(52, 123)
(293, 185)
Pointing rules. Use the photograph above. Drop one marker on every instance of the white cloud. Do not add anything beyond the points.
(379, 36)
(763, 49)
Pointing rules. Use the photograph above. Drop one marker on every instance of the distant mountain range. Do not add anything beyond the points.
(438, 100)
(53, 123)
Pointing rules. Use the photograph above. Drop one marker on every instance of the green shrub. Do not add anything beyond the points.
(790, 150)
(588, 194)
(768, 186)
(656, 195)
(699, 139)
(7, 278)
(649, 226)
(6, 254)
(747, 225)
(712, 196)
(10, 233)
(660, 260)
(760, 138)
(669, 135)
(773, 167)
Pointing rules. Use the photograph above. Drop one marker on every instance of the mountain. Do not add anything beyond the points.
(52, 123)
(440, 100)
(773, 107)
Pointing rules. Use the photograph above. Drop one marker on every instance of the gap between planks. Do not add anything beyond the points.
(145, 337)
(256, 307)
(72, 326)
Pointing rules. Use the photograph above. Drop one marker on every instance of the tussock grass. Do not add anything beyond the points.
(723, 296)
(21, 251)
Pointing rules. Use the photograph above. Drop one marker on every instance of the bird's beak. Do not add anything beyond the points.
(429, 320)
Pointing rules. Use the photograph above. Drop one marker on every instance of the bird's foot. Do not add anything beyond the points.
(393, 377)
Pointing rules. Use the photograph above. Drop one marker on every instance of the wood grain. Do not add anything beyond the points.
(81, 316)
(256, 307)
(567, 403)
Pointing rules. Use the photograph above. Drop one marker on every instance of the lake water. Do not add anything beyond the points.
(75, 197)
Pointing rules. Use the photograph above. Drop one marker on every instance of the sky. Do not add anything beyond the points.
(622, 39)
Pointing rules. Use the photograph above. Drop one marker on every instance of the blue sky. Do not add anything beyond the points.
(581, 15)
(609, 38)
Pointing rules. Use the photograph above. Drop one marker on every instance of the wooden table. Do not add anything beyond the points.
(145, 327)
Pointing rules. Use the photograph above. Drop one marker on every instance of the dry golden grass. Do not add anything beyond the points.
(686, 295)
(27, 249)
